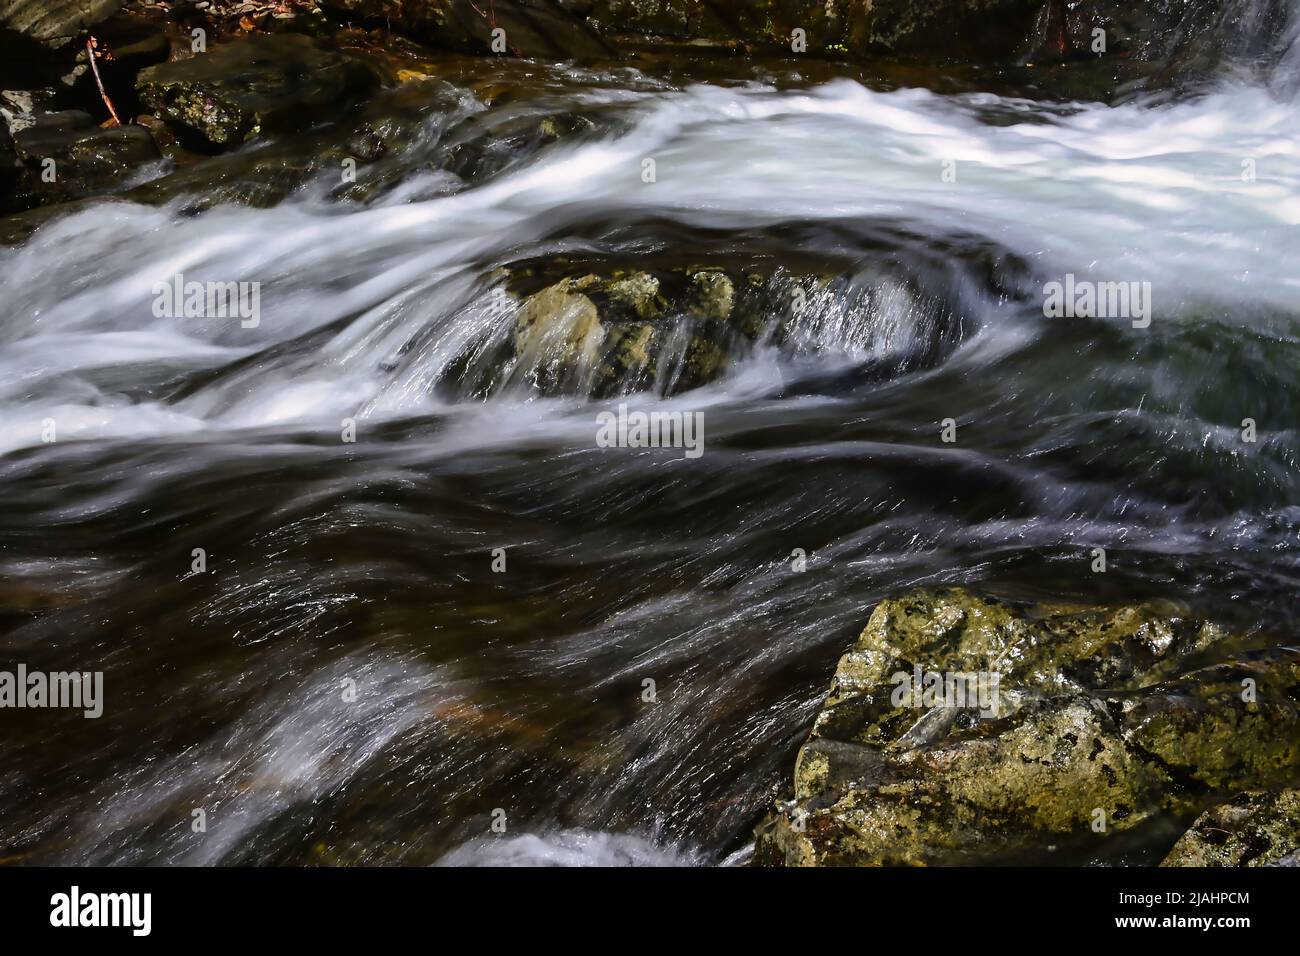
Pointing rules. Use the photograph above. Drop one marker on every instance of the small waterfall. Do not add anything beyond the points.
(1254, 41)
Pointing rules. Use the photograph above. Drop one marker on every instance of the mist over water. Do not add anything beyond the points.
(371, 562)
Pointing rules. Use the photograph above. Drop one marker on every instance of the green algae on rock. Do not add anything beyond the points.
(1259, 828)
(1221, 729)
(646, 317)
(624, 330)
(605, 334)
(1103, 720)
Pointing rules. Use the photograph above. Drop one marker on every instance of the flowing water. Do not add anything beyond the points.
(350, 680)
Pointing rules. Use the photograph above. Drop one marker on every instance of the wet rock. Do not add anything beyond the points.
(474, 117)
(1213, 37)
(1251, 829)
(162, 134)
(627, 329)
(666, 309)
(17, 112)
(974, 30)
(483, 147)
(261, 180)
(531, 28)
(1115, 49)
(430, 124)
(66, 155)
(1220, 729)
(947, 29)
(1142, 31)
(558, 332)
(1109, 45)
(10, 168)
(980, 797)
(55, 23)
(240, 89)
(378, 143)
(1046, 726)
(578, 29)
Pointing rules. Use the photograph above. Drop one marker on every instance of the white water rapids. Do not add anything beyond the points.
(1128, 193)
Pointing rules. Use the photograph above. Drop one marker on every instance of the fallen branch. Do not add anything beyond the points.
(92, 46)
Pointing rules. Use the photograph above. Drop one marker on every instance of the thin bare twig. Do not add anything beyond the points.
(92, 46)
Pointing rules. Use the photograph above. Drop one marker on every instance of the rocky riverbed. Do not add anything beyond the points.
(1055, 558)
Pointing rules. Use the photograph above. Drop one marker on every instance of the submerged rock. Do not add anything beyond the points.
(485, 146)
(558, 330)
(1251, 829)
(1043, 726)
(625, 330)
(660, 308)
(239, 89)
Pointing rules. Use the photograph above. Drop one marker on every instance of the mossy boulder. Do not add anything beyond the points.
(1260, 828)
(558, 332)
(607, 335)
(1221, 729)
(237, 90)
(663, 309)
(1099, 719)
(625, 330)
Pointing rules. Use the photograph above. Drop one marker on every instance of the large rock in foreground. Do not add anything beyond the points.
(1030, 728)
